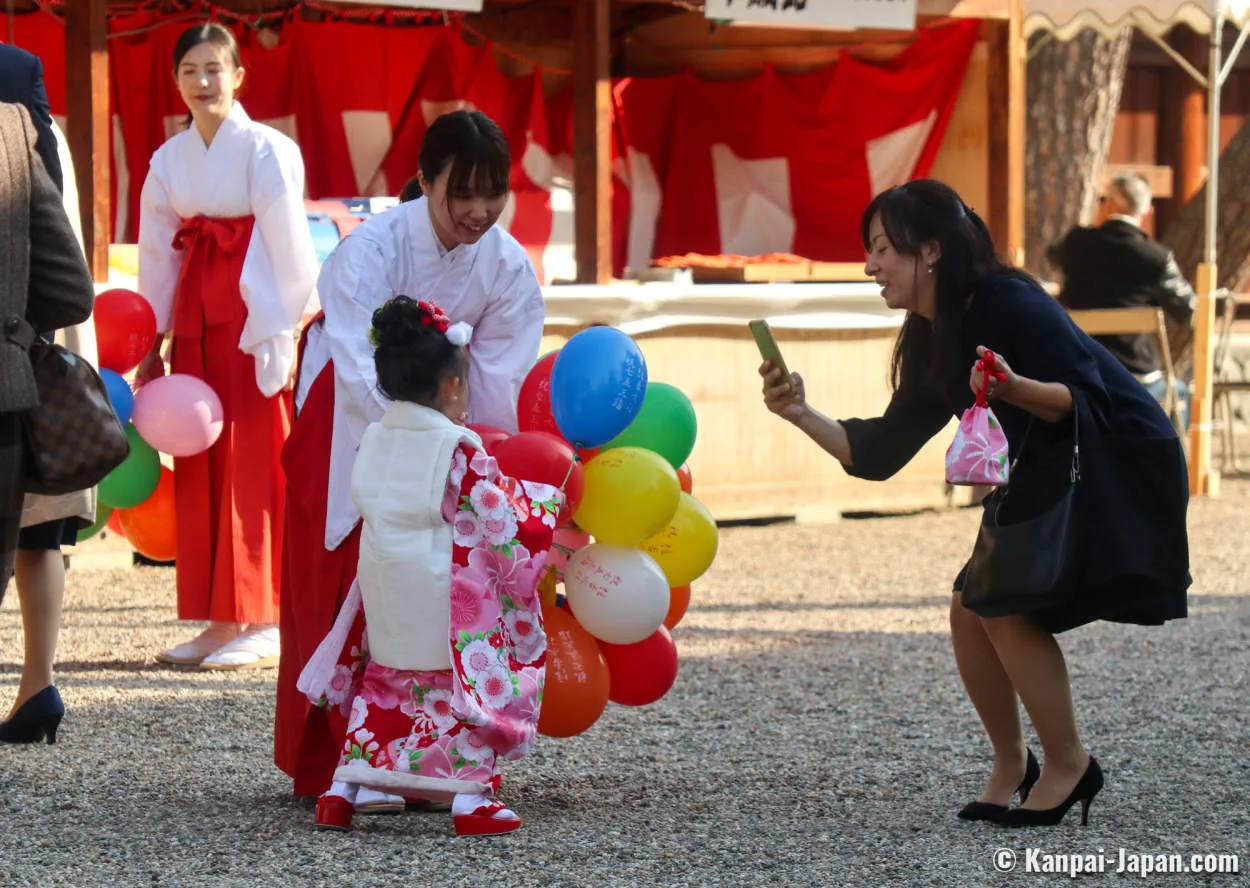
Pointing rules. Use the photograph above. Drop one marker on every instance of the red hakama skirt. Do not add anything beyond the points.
(230, 499)
(315, 582)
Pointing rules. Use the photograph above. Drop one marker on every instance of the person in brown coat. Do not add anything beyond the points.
(44, 285)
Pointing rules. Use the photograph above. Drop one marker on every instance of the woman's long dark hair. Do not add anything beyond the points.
(926, 354)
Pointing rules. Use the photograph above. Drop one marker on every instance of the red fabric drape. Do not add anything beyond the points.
(358, 98)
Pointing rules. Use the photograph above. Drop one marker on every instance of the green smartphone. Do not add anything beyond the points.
(769, 349)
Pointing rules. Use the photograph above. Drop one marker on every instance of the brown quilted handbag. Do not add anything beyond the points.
(73, 438)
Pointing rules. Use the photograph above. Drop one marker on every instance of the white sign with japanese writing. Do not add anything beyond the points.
(842, 15)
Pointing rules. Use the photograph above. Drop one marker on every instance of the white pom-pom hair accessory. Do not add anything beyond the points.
(458, 334)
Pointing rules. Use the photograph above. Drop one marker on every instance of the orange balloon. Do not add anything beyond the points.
(578, 684)
(684, 478)
(547, 587)
(150, 526)
(679, 600)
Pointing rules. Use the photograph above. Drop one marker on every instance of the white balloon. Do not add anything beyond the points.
(618, 593)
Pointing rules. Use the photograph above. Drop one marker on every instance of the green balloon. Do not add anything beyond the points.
(102, 515)
(666, 425)
(134, 480)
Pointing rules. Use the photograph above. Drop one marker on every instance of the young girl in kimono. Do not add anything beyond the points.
(227, 263)
(450, 556)
(445, 247)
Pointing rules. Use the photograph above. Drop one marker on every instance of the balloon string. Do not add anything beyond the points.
(569, 473)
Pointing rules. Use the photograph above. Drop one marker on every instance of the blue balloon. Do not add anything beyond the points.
(598, 383)
(120, 395)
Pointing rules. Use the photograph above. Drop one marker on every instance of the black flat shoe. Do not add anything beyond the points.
(1084, 791)
(988, 810)
(37, 719)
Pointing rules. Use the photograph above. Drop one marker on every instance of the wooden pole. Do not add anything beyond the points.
(1017, 72)
(88, 123)
(1182, 129)
(592, 134)
(1006, 72)
(997, 100)
(1202, 480)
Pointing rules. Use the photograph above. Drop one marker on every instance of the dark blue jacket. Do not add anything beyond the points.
(21, 82)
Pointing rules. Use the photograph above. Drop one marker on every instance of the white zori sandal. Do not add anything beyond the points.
(481, 815)
(257, 648)
(193, 652)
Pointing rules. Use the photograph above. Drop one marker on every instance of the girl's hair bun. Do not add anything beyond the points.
(397, 323)
(413, 351)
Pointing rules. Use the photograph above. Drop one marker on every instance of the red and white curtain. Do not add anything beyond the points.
(772, 163)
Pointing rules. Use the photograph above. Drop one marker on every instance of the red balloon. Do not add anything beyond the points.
(685, 479)
(534, 403)
(125, 329)
(546, 459)
(641, 673)
(490, 436)
(678, 602)
(115, 523)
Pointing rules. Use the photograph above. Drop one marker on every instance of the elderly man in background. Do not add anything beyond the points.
(1118, 265)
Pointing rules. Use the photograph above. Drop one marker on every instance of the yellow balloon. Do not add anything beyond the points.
(630, 493)
(686, 548)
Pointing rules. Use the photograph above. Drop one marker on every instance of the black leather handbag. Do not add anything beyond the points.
(1022, 564)
(73, 439)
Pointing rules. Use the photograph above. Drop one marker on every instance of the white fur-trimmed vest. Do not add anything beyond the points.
(398, 484)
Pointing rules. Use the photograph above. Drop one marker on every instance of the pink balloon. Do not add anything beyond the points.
(566, 541)
(178, 414)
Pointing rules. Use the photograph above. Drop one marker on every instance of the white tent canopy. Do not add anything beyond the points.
(1064, 19)
(1153, 17)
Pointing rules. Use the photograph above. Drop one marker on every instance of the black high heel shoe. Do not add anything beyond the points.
(988, 810)
(1084, 791)
(37, 719)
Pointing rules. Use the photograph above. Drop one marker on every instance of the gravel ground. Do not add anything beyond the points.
(817, 734)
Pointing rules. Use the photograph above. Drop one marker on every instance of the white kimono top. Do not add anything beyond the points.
(399, 483)
(489, 285)
(249, 170)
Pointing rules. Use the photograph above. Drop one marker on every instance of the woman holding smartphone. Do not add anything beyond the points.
(934, 259)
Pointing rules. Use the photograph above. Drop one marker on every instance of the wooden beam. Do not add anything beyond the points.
(1017, 70)
(1191, 150)
(592, 133)
(1180, 141)
(88, 124)
(1005, 80)
(1202, 481)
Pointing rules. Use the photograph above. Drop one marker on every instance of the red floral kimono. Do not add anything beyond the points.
(433, 733)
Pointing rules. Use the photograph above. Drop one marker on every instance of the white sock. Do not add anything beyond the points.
(343, 790)
(468, 802)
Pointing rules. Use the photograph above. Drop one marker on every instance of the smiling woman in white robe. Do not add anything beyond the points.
(443, 247)
(227, 263)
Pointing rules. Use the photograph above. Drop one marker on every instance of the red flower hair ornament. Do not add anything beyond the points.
(433, 316)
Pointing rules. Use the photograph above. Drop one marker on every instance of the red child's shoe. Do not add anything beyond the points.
(334, 812)
(491, 818)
